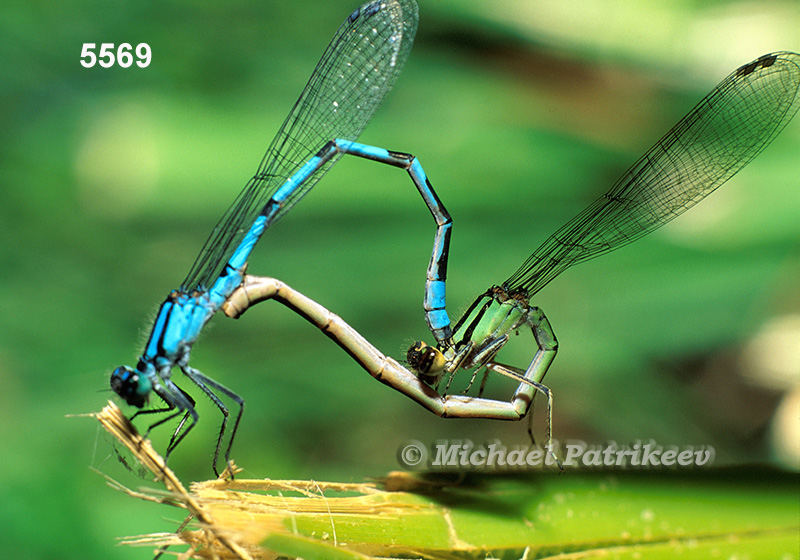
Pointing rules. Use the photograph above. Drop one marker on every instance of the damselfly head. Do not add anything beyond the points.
(427, 361)
(131, 385)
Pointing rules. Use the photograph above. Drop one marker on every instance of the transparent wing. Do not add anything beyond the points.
(356, 71)
(726, 130)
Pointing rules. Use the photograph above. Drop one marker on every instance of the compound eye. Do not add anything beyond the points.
(414, 354)
(131, 385)
(428, 362)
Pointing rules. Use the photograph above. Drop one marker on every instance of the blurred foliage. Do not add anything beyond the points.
(521, 113)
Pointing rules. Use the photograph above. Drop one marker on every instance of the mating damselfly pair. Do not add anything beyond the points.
(719, 136)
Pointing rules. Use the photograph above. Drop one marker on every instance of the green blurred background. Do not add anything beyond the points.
(521, 113)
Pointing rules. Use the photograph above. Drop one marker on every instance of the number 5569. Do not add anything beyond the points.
(107, 56)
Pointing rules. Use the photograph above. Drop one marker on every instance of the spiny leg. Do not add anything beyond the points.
(456, 364)
(484, 356)
(171, 406)
(178, 400)
(530, 379)
(483, 381)
(184, 403)
(472, 380)
(518, 374)
(206, 384)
